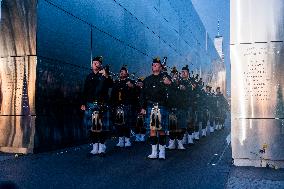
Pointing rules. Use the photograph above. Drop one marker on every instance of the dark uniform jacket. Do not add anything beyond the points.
(198, 99)
(154, 91)
(95, 88)
(184, 97)
(138, 91)
(222, 102)
(122, 94)
(210, 101)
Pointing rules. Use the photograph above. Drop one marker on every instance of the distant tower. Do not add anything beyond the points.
(218, 43)
(221, 76)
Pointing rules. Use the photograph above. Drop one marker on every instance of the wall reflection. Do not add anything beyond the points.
(18, 75)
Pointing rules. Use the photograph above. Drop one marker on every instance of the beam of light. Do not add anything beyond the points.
(221, 80)
(239, 72)
(240, 98)
(238, 20)
(251, 96)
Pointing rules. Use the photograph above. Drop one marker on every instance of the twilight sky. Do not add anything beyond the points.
(210, 11)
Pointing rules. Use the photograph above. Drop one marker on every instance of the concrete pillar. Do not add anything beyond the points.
(257, 59)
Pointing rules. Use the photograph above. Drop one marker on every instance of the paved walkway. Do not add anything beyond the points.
(255, 178)
(207, 164)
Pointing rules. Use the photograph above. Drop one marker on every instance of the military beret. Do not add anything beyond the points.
(157, 60)
(167, 76)
(185, 68)
(124, 67)
(98, 58)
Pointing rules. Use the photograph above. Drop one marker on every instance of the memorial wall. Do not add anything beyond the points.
(46, 48)
(257, 57)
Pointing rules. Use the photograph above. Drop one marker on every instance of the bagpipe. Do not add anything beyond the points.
(164, 71)
(165, 68)
(116, 76)
(170, 72)
(196, 80)
(155, 118)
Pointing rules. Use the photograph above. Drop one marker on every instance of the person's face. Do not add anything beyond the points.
(184, 74)
(156, 67)
(96, 65)
(174, 76)
(123, 74)
(218, 90)
(139, 84)
(207, 89)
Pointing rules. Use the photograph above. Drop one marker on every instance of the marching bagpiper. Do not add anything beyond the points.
(140, 129)
(186, 116)
(153, 101)
(177, 118)
(197, 106)
(206, 111)
(123, 98)
(211, 108)
(96, 115)
(222, 108)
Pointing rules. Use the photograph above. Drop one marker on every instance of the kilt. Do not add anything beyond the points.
(212, 116)
(90, 108)
(185, 116)
(130, 115)
(164, 117)
(206, 115)
(198, 116)
(221, 115)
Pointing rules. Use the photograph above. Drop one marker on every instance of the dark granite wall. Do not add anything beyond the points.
(64, 35)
